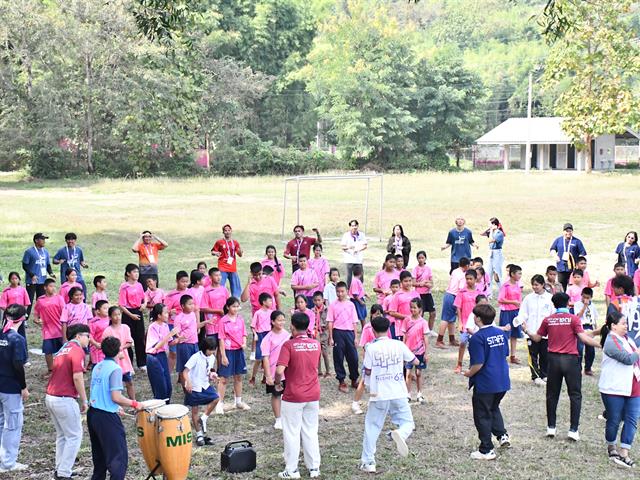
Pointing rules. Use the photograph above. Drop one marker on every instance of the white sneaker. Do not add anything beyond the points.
(314, 473)
(551, 432)
(575, 436)
(432, 333)
(540, 382)
(286, 474)
(242, 406)
(368, 467)
(403, 450)
(483, 456)
(278, 424)
(143, 368)
(505, 441)
(27, 364)
(355, 408)
(420, 398)
(17, 467)
(219, 410)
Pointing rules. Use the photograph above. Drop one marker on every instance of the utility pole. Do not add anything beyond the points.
(527, 159)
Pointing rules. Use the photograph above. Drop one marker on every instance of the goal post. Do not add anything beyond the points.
(368, 178)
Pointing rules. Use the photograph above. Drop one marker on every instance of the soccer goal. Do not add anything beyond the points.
(365, 178)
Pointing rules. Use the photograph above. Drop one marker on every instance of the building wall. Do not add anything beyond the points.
(605, 152)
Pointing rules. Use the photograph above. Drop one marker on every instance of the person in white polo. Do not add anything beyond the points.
(353, 243)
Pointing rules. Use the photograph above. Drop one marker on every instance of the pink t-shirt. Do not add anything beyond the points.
(321, 267)
(382, 280)
(122, 333)
(422, 274)
(264, 285)
(608, 289)
(343, 315)
(575, 293)
(206, 281)
(277, 275)
(401, 304)
(271, 345)
(305, 277)
(509, 291)
(465, 301)
(636, 280)
(188, 325)
(172, 302)
(356, 290)
(64, 290)
(232, 332)
(76, 314)
(456, 281)
(153, 298)
(386, 304)
(261, 321)
(131, 295)
(414, 332)
(196, 293)
(97, 325)
(214, 298)
(586, 279)
(49, 310)
(16, 295)
(368, 335)
(155, 334)
(97, 296)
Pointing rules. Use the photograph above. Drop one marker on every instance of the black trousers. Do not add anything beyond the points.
(563, 366)
(34, 291)
(487, 418)
(142, 279)
(454, 265)
(138, 335)
(108, 445)
(350, 272)
(538, 358)
(344, 347)
(563, 278)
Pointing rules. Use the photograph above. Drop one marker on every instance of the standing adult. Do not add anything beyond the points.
(496, 259)
(566, 250)
(563, 330)
(71, 257)
(66, 384)
(353, 243)
(629, 253)
(300, 245)
(399, 244)
(619, 387)
(460, 240)
(298, 361)
(36, 264)
(227, 250)
(147, 247)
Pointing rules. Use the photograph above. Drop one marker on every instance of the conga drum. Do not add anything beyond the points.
(174, 440)
(146, 430)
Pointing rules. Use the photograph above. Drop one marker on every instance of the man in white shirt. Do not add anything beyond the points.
(384, 360)
(353, 243)
(533, 309)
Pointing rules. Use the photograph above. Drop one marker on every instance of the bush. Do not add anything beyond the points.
(420, 162)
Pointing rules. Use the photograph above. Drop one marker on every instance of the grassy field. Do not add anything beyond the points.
(108, 215)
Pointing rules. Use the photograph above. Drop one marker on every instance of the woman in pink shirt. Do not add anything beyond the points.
(122, 332)
(509, 299)
(382, 280)
(271, 260)
(15, 293)
(159, 337)
(320, 265)
(76, 311)
(233, 336)
(71, 282)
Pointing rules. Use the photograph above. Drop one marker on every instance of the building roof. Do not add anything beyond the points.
(542, 130)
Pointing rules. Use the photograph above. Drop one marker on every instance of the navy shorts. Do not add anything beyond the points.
(428, 305)
(421, 366)
(205, 397)
(184, 352)
(506, 318)
(127, 377)
(261, 335)
(449, 312)
(237, 364)
(51, 345)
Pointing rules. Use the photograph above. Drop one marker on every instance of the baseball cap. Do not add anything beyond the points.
(39, 236)
(567, 226)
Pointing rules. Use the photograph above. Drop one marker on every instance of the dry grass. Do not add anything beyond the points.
(188, 213)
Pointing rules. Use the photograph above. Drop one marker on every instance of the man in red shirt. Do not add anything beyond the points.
(298, 361)
(66, 384)
(300, 245)
(563, 331)
(227, 250)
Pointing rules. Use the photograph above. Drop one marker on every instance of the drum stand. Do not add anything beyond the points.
(152, 472)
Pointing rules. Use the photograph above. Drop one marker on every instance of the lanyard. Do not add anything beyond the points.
(42, 256)
(298, 246)
(231, 250)
(71, 256)
(567, 246)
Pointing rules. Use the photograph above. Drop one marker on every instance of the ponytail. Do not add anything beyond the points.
(230, 301)
(278, 265)
(613, 318)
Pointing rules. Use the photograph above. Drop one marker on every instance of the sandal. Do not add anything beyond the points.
(624, 461)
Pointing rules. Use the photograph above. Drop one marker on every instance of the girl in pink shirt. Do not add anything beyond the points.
(196, 290)
(319, 265)
(301, 307)
(71, 282)
(122, 332)
(382, 280)
(271, 260)
(154, 295)
(415, 333)
(357, 294)
(159, 337)
(260, 326)
(270, 347)
(76, 311)
(206, 279)
(509, 299)
(15, 293)
(97, 326)
(423, 281)
(233, 336)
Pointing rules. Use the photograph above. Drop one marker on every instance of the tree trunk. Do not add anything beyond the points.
(88, 112)
(587, 151)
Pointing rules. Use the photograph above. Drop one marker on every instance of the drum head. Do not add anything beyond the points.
(172, 411)
(152, 404)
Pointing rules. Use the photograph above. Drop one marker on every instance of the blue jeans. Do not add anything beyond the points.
(621, 409)
(400, 414)
(496, 259)
(234, 283)
(11, 420)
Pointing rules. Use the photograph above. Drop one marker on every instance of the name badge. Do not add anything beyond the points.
(565, 257)
(43, 271)
(230, 260)
(152, 258)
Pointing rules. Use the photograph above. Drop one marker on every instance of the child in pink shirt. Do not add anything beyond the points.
(271, 260)
(509, 299)
(415, 333)
(97, 326)
(400, 308)
(581, 264)
(260, 326)
(342, 319)
(153, 295)
(196, 290)
(71, 282)
(76, 311)
(159, 338)
(304, 281)
(233, 336)
(357, 294)
(423, 281)
(15, 293)
(100, 284)
(187, 325)
(382, 280)
(394, 287)
(270, 347)
(213, 300)
(123, 333)
(259, 283)
(465, 302)
(301, 307)
(206, 279)
(48, 310)
(575, 290)
(320, 266)
(618, 270)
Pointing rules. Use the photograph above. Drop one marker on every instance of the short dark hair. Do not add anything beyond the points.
(404, 275)
(513, 269)
(69, 272)
(263, 297)
(587, 291)
(113, 308)
(70, 236)
(73, 291)
(581, 259)
(255, 267)
(481, 297)
(302, 255)
(353, 221)
(213, 270)
(97, 279)
(560, 300)
(318, 293)
(184, 299)
(380, 324)
(300, 321)
(478, 260)
(341, 285)
(181, 274)
(619, 265)
(208, 343)
(15, 312)
(537, 279)
(74, 330)
(100, 303)
(49, 281)
(625, 282)
(333, 269)
(275, 314)
(578, 272)
(471, 273)
(485, 312)
(376, 308)
(110, 346)
(356, 270)
(395, 281)
(267, 270)
(464, 262)
(551, 268)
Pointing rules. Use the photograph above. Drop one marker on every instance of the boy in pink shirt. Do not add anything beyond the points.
(97, 326)
(270, 347)
(187, 324)
(356, 292)
(48, 310)
(382, 280)
(415, 333)
(509, 299)
(449, 312)
(100, 284)
(341, 320)
(257, 284)
(618, 270)
(581, 264)
(394, 287)
(465, 302)
(304, 281)
(76, 312)
(123, 333)
(159, 337)
(400, 308)
(213, 300)
(260, 326)
(172, 301)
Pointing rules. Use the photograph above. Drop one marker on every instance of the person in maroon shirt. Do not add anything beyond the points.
(563, 331)
(300, 245)
(298, 361)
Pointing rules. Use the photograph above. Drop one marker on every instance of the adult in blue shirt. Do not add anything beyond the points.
(566, 250)
(489, 376)
(629, 253)
(106, 432)
(496, 259)
(13, 388)
(36, 264)
(460, 240)
(71, 257)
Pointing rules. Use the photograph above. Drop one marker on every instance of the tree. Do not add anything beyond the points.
(595, 63)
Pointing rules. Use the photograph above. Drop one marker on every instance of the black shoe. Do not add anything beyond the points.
(58, 477)
(200, 441)
(208, 441)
